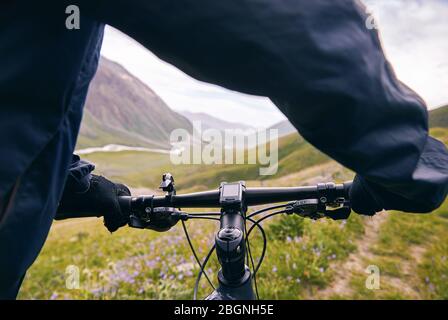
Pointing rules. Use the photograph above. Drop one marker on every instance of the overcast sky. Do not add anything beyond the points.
(414, 35)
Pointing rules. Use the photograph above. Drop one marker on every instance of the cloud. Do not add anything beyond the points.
(415, 39)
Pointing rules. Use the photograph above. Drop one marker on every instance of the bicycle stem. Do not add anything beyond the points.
(231, 248)
(235, 279)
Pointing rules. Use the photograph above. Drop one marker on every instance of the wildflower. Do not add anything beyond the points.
(274, 269)
(150, 263)
(297, 239)
(96, 292)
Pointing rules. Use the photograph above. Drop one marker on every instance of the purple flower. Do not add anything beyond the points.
(96, 292)
(332, 257)
(150, 263)
(297, 239)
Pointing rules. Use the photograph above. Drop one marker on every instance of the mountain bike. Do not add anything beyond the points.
(237, 276)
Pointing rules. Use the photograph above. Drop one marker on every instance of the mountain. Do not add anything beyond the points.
(284, 128)
(210, 122)
(121, 109)
(439, 117)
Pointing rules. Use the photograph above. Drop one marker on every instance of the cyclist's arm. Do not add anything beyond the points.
(321, 66)
(89, 195)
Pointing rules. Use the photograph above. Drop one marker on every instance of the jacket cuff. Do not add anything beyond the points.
(79, 175)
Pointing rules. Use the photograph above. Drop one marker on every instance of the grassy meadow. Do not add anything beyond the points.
(305, 259)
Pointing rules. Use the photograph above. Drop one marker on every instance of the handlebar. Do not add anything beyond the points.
(252, 197)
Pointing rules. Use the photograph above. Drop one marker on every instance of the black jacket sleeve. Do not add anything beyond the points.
(323, 68)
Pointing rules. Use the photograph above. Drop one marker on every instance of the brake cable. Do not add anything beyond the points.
(249, 255)
(198, 278)
(257, 222)
(267, 209)
(204, 214)
(202, 217)
(263, 233)
(195, 255)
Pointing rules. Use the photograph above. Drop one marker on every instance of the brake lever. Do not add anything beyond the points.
(317, 208)
(159, 219)
(341, 213)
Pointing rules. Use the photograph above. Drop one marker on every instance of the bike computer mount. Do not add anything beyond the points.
(231, 194)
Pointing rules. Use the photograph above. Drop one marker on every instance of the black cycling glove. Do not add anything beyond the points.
(368, 198)
(362, 198)
(101, 199)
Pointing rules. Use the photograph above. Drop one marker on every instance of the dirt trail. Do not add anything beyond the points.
(355, 261)
(408, 276)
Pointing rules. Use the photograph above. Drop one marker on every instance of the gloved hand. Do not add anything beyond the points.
(368, 198)
(362, 199)
(101, 199)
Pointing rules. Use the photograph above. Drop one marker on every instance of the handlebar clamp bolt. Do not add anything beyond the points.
(148, 210)
(323, 199)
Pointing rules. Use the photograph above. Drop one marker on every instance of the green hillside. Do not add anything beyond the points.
(439, 117)
(295, 154)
